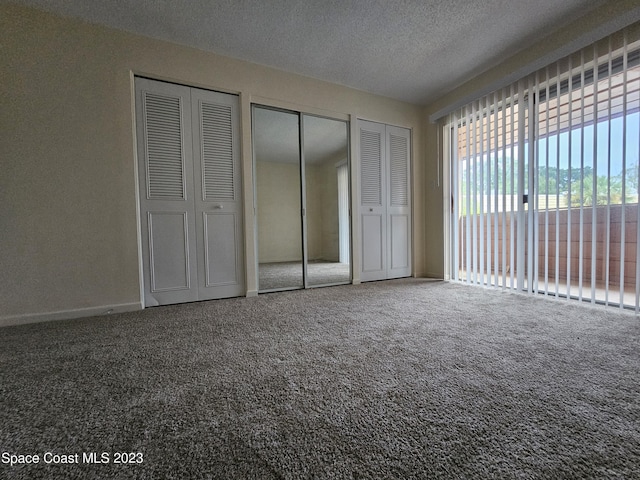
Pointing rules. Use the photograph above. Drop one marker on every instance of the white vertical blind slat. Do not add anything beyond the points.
(343, 213)
(608, 202)
(546, 189)
(512, 222)
(581, 220)
(569, 186)
(522, 217)
(557, 258)
(468, 199)
(503, 151)
(637, 166)
(481, 215)
(594, 193)
(532, 203)
(624, 171)
(455, 184)
(474, 183)
(496, 192)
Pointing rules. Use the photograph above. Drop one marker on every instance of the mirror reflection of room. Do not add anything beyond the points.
(277, 155)
(327, 196)
(303, 228)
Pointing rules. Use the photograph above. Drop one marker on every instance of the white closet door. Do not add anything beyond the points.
(190, 193)
(398, 207)
(218, 207)
(385, 201)
(373, 201)
(166, 186)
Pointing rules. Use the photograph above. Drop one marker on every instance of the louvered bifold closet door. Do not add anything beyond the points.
(385, 201)
(218, 206)
(190, 193)
(398, 209)
(373, 199)
(165, 171)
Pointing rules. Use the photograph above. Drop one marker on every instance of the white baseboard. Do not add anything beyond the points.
(6, 321)
(252, 293)
(434, 275)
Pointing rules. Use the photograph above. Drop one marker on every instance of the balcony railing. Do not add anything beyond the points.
(564, 248)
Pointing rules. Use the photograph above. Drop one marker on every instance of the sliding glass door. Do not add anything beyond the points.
(302, 200)
(488, 190)
(587, 131)
(544, 179)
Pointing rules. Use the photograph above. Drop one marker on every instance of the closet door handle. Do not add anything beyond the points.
(218, 207)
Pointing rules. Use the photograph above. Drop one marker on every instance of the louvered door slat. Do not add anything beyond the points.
(399, 170)
(371, 168)
(164, 152)
(217, 152)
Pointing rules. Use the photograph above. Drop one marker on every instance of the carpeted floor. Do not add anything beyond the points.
(399, 379)
(283, 275)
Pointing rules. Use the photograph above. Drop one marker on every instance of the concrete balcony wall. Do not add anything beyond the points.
(608, 222)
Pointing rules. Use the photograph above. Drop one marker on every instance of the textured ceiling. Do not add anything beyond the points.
(411, 50)
(276, 138)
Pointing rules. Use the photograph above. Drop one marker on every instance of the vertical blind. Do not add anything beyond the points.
(343, 212)
(544, 179)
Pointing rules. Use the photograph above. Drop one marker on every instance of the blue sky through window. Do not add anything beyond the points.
(605, 149)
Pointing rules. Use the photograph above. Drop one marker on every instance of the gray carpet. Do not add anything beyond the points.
(281, 275)
(398, 379)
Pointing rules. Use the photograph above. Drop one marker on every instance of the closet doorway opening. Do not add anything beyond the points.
(301, 165)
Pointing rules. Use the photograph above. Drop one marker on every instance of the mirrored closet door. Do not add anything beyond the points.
(302, 200)
(278, 201)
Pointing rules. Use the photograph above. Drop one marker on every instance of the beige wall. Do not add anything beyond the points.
(279, 221)
(69, 242)
(596, 23)
(328, 217)
(279, 229)
(322, 211)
